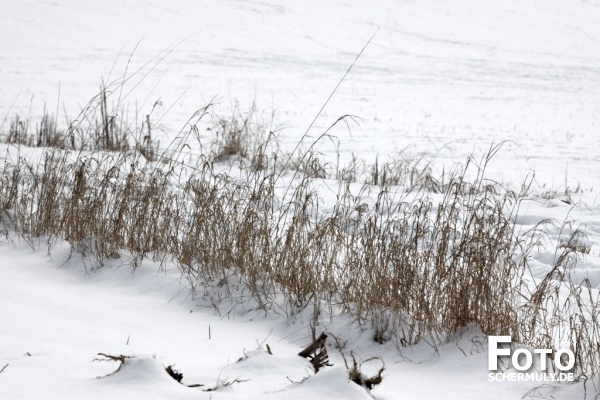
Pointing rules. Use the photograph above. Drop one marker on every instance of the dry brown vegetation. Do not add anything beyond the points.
(412, 265)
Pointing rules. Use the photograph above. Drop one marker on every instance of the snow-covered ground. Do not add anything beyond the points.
(56, 319)
(444, 77)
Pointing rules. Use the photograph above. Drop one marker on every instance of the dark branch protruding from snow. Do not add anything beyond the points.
(316, 353)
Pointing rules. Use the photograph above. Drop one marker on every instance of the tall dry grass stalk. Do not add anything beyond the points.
(410, 264)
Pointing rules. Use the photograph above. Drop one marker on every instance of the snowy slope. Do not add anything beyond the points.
(444, 77)
(457, 74)
(56, 319)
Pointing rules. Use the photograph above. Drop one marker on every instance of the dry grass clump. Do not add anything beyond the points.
(99, 126)
(46, 133)
(98, 204)
(243, 134)
(414, 265)
(309, 164)
(560, 313)
(404, 170)
(432, 268)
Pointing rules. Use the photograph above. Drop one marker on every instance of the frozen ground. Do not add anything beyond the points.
(443, 77)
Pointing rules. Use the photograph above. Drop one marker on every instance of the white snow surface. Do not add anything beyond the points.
(56, 319)
(445, 77)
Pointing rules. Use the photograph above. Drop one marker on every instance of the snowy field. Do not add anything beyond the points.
(441, 78)
(447, 76)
